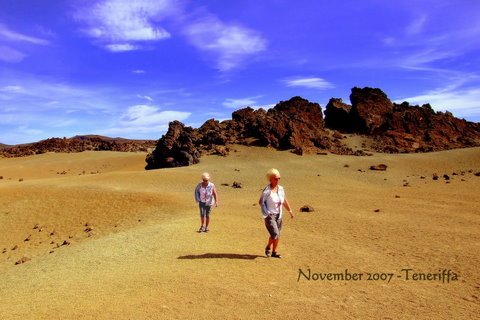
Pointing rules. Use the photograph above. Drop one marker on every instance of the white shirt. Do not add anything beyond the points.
(273, 203)
(204, 196)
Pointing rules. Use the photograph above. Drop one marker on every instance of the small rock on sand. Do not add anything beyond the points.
(435, 176)
(477, 174)
(446, 177)
(307, 208)
(379, 167)
(376, 210)
(15, 247)
(237, 185)
(65, 243)
(397, 196)
(22, 260)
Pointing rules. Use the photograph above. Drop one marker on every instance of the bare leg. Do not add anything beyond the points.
(202, 219)
(275, 244)
(270, 242)
(207, 222)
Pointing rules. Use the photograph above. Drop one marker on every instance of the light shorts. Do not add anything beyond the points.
(274, 225)
(204, 209)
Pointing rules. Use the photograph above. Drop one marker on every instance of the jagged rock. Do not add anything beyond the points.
(77, 144)
(175, 149)
(435, 176)
(400, 127)
(295, 124)
(22, 260)
(307, 208)
(337, 115)
(237, 185)
(370, 106)
(446, 177)
(298, 125)
(380, 167)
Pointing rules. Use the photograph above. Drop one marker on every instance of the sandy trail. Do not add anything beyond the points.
(144, 260)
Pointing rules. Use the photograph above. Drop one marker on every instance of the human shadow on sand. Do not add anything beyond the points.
(221, 256)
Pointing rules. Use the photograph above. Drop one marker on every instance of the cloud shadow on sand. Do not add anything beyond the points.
(221, 256)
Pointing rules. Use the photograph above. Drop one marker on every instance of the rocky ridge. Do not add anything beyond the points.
(77, 144)
(299, 125)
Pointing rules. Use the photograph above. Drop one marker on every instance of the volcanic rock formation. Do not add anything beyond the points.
(77, 144)
(298, 125)
(399, 128)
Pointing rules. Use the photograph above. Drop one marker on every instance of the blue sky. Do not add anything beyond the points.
(127, 68)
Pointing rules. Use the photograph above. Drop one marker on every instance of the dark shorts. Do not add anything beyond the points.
(274, 225)
(204, 209)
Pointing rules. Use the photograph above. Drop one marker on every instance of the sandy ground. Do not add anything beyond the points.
(142, 258)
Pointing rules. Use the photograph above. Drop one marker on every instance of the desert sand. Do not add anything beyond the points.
(131, 250)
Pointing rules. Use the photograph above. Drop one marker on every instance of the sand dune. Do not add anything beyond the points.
(133, 252)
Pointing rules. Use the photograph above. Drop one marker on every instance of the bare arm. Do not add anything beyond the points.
(215, 196)
(287, 206)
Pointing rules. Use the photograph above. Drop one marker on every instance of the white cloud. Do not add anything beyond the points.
(8, 34)
(416, 26)
(121, 47)
(39, 94)
(10, 89)
(142, 121)
(309, 82)
(240, 103)
(144, 115)
(119, 24)
(138, 71)
(463, 102)
(8, 54)
(148, 98)
(230, 44)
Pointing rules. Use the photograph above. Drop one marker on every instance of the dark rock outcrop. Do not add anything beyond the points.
(379, 167)
(177, 148)
(296, 124)
(77, 144)
(307, 208)
(400, 128)
(338, 116)
(370, 108)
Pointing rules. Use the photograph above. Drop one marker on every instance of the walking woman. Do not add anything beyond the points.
(272, 201)
(207, 197)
